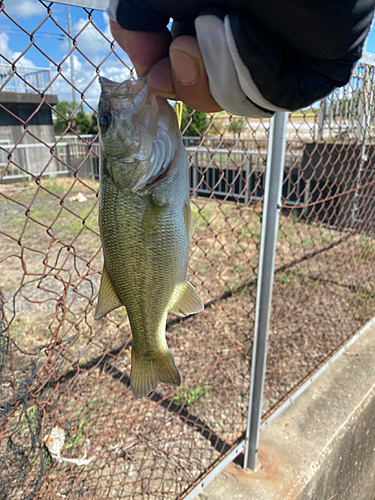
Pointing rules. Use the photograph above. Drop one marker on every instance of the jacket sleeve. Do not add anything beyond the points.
(270, 55)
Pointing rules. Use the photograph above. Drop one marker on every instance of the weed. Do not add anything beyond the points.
(251, 230)
(292, 278)
(55, 185)
(288, 279)
(83, 427)
(327, 238)
(362, 301)
(234, 289)
(30, 419)
(189, 395)
(121, 312)
(241, 268)
(46, 458)
(368, 249)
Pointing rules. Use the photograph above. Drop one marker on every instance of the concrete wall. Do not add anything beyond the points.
(323, 446)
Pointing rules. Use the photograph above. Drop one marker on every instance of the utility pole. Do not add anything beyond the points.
(72, 75)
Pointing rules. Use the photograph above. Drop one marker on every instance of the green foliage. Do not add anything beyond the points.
(199, 122)
(235, 289)
(368, 250)
(298, 278)
(236, 125)
(84, 427)
(189, 395)
(86, 124)
(80, 122)
(362, 301)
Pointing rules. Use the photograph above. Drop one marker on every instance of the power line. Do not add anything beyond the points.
(44, 33)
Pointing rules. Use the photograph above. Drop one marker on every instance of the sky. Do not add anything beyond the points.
(51, 47)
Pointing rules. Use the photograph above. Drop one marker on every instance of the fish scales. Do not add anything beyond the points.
(145, 225)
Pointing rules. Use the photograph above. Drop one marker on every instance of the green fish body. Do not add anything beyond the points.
(145, 225)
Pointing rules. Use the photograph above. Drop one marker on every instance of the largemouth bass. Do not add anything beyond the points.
(145, 224)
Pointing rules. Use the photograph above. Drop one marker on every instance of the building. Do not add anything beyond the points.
(25, 122)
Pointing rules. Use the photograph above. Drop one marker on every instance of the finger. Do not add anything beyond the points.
(160, 80)
(190, 80)
(144, 48)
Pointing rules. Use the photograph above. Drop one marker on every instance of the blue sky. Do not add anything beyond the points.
(50, 39)
(52, 45)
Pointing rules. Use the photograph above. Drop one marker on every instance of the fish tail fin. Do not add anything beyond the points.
(146, 372)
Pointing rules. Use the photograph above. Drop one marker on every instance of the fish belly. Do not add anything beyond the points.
(146, 262)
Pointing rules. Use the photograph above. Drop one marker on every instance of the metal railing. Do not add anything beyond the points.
(25, 80)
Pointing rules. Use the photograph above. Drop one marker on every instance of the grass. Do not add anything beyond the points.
(190, 395)
(367, 250)
(29, 419)
(121, 313)
(84, 427)
(292, 278)
(362, 301)
(251, 228)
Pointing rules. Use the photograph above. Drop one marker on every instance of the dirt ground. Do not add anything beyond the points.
(50, 260)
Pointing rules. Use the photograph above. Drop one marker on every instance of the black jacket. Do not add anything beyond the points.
(275, 54)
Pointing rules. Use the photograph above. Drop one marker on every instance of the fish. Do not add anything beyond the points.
(145, 224)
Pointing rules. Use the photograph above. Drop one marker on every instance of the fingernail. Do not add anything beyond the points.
(185, 67)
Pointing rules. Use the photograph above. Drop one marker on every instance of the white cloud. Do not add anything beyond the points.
(85, 79)
(24, 8)
(94, 46)
(9, 55)
(91, 41)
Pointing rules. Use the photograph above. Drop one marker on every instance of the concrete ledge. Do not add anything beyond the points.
(323, 446)
(26, 98)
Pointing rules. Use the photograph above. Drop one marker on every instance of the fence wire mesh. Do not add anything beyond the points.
(69, 425)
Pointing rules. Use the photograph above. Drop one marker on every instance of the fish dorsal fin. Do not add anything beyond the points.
(188, 218)
(188, 301)
(108, 300)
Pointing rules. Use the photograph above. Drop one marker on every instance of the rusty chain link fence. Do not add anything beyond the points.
(69, 425)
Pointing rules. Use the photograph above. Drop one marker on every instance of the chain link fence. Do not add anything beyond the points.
(69, 425)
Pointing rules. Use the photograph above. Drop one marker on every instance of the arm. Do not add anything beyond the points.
(253, 58)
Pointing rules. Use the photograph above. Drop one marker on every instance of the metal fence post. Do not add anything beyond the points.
(68, 159)
(270, 224)
(247, 180)
(196, 176)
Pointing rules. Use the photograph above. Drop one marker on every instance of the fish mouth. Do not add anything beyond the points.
(123, 90)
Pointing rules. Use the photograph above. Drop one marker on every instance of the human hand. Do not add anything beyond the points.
(175, 69)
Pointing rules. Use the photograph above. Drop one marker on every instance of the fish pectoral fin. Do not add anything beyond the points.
(188, 301)
(108, 300)
(188, 218)
(146, 372)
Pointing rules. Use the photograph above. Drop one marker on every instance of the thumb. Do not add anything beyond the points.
(144, 48)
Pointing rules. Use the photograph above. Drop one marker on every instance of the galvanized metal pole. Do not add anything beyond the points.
(270, 224)
(72, 73)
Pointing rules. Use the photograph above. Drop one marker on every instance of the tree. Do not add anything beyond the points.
(86, 124)
(199, 122)
(80, 122)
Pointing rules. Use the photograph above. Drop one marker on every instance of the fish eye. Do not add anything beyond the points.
(104, 121)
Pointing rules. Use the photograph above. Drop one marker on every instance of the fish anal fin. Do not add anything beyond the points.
(188, 301)
(188, 218)
(108, 299)
(146, 372)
